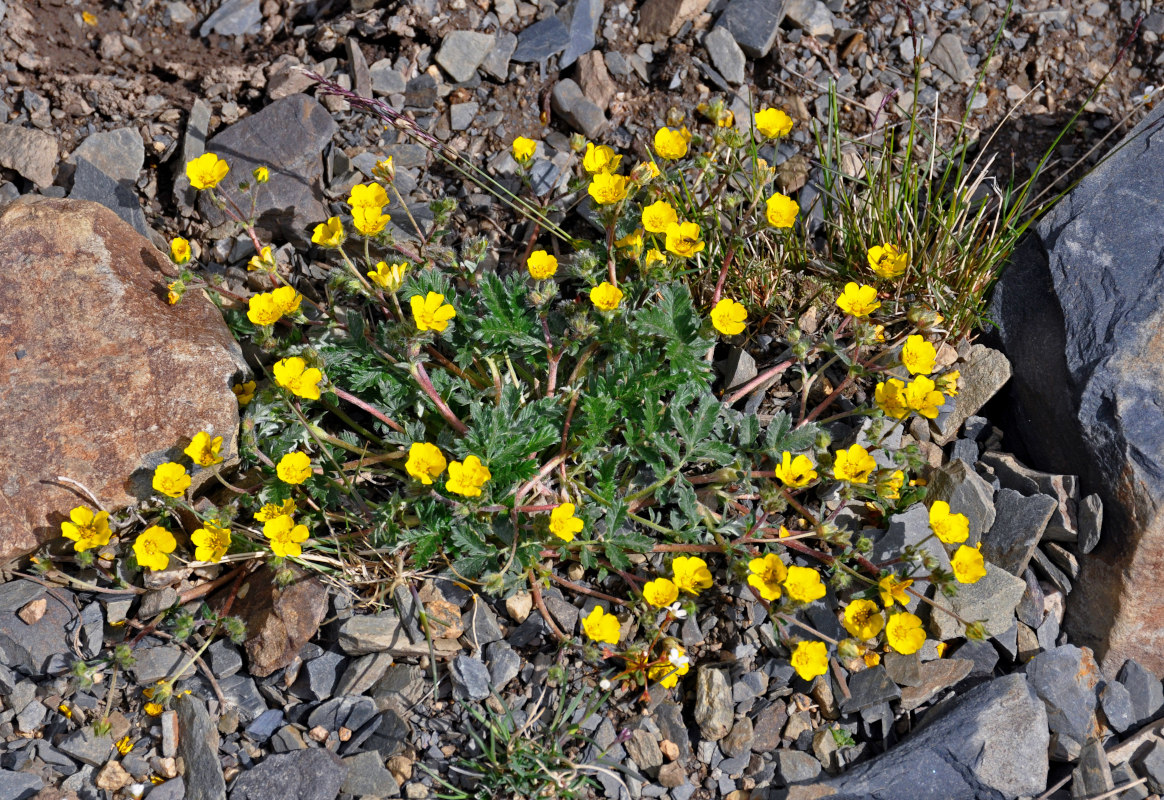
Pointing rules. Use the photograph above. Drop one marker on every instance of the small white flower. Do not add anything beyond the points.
(677, 611)
(136, 790)
(678, 659)
(604, 685)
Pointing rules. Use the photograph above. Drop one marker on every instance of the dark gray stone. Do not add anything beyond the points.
(583, 30)
(1046, 568)
(504, 664)
(989, 742)
(391, 734)
(1145, 689)
(541, 40)
(193, 145)
(903, 670)
(1122, 775)
(265, 725)
(992, 599)
(234, 18)
(421, 92)
(967, 493)
(320, 675)
(496, 63)
(1065, 680)
(1090, 522)
(343, 712)
(982, 655)
(223, 658)
(243, 695)
(669, 717)
(362, 673)
(1092, 775)
(33, 649)
(90, 183)
(368, 777)
(1079, 310)
(119, 153)
(1018, 526)
(965, 450)
(19, 785)
(288, 138)
(152, 664)
(564, 613)
(480, 624)
(1151, 766)
(936, 676)
(869, 687)
(386, 80)
(87, 747)
(198, 743)
(311, 774)
(948, 56)
(795, 766)
(1116, 702)
(582, 114)
(811, 16)
(753, 24)
(462, 52)
(909, 528)
(1032, 608)
(471, 676)
(170, 790)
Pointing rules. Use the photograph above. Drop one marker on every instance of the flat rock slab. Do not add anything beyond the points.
(312, 774)
(992, 599)
(288, 138)
(1080, 313)
(280, 620)
(101, 373)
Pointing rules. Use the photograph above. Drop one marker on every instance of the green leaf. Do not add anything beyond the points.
(674, 320)
(781, 436)
(507, 322)
(504, 436)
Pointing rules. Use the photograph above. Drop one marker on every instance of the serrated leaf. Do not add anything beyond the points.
(507, 321)
(672, 318)
(782, 437)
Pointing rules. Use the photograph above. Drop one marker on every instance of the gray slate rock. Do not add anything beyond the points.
(198, 746)
(1145, 689)
(1092, 775)
(1090, 522)
(713, 704)
(949, 57)
(1018, 526)
(265, 725)
(967, 493)
(19, 785)
(362, 673)
(234, 18)
(34, 649)
(352, 712)
(1116, 702)
(869, 687)
(582, 114)
(496, 64)
(812, 16)
(1151, 766)
(90, 183)
(118, 153)
(288, 138)
(480, 624)
(583, 30)
(471, 676)
(1078, 310)
(753, 24)
(152, 664)
(541, 40)
(31, 152)
(193, 144)
(311, 774)
(993, 599)
(87, 747)
(796, 766)
(726, 55)
(368, 777)
(386, 80)
(989, 742)
(982, 376)
(504, 664)
(462, 52)
(1065, 680)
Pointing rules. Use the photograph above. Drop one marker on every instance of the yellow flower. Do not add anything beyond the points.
(654, 256)
(369, 220)
(600, 159)
(853, 465)
(918, 355)
(65, 710)
(726, 119)
(607, 189)
(810, 659)
(89, 18)
(245, 392)
(329, 234)
(948, 383)
(385, 170)
(210, 542)
(285, 536)
(887, 260)
(795, 472)
(264, 310)
(294, 468)
(270, 510)
(86, 528)
(541, 265)
(691, 574)
(523, 149)
(262, 174)
(889, 487)
(772, 122)
(601, 627)
(672, 144)
(860, 301)
(295, 376)
(171, 479)
(660, 592)
(388, 278)
(425, 462)
(287, 299)
(605, 297)
(368, 195)
(904, 633)
(180, 250)
(921, 397)
(950, 528)
(206, 171)
(804, 584)
(431, 312)
(124, 745)
(153, 548)
(890, 398)
(175, 292)
(967, 564)
(466, 479)
(645, 171)
(633, 241)
(781, 211)
(264, 261)
(863, 619)
(668, 672)
(659, 216)
(767, 574)
(892, 590)
(203, 450)
(683, 239)
(154, 709)
(728, 317)
(563, 523)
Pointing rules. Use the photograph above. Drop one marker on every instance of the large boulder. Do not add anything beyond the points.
(100, 379)
(1081, 316)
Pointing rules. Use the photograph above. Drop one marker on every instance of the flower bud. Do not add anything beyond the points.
(262, 174)
(385, 170)
(848, 649)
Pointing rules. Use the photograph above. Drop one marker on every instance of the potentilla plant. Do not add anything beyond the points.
(554, 419)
